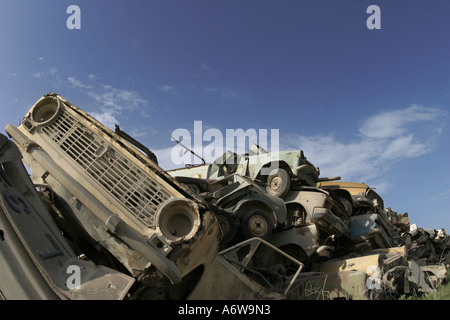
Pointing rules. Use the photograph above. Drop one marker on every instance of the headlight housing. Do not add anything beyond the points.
(178, 219)
(45, 111)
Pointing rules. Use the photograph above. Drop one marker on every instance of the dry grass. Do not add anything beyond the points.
(441, 293)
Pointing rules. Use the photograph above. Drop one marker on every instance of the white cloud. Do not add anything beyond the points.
(407, 146)
(223, 92)
(110, 100)
(117, 99)
(164, 157)
(53, 71)
(382, 187)
(368, 156)
(385, 138)
(207, 68)
(166, 88)
(390, 124)
(77, 83)
(106, 117)
(440, 196)
(139, 132)
(114, 101)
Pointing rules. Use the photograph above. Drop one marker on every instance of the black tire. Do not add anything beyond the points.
(195, 188)
(256, 224)
(227, 225)
(278, 183)
(347, 205)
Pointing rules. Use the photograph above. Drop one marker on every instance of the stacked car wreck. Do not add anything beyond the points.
(115, 204)
(252, 226)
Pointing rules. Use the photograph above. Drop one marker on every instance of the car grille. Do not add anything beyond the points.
(121, 178)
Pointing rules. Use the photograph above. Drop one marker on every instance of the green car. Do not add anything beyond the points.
(275, 170)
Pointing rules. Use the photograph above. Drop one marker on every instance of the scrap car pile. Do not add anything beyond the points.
(93, 216)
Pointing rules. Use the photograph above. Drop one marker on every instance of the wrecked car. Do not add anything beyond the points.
(251, 269)
(370, 222)
(275, 170)
(314, 218)
(360, 198)
(390, 273)
(245, 210)
(117, 203)
(427, 245)
(242, 206)
(78, 197)
(252, 210)
(37, 261)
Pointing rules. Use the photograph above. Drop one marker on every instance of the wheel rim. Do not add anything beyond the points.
(275, 184)
(258, 225)
(278, 183)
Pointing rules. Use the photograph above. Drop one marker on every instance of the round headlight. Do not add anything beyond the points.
(178, 219)
(45, 111)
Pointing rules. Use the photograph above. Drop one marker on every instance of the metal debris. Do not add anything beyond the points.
(254, 226)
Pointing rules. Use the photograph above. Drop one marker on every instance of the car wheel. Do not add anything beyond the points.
(347, 205)
(256, 224)
(278, 183)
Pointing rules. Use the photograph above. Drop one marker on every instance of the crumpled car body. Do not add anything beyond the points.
(254, 226)
(374, 229)
(116, 197)
(251, 269)
(261, 166)
(369, 221)
(243, 207)
(284, 174)
(247, 209)
(36, 260)
(258, 165)
(363, 199)
(318, 207)
(315, 216)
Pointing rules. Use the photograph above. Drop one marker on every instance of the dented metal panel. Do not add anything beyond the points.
(254, 226)
(247, 271)
(104, 180)
(306, 237)
(370, 227)
(41, 239)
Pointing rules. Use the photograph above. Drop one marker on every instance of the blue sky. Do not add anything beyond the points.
(367, 105)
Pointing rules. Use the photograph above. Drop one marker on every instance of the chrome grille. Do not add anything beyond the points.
(128, 184)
